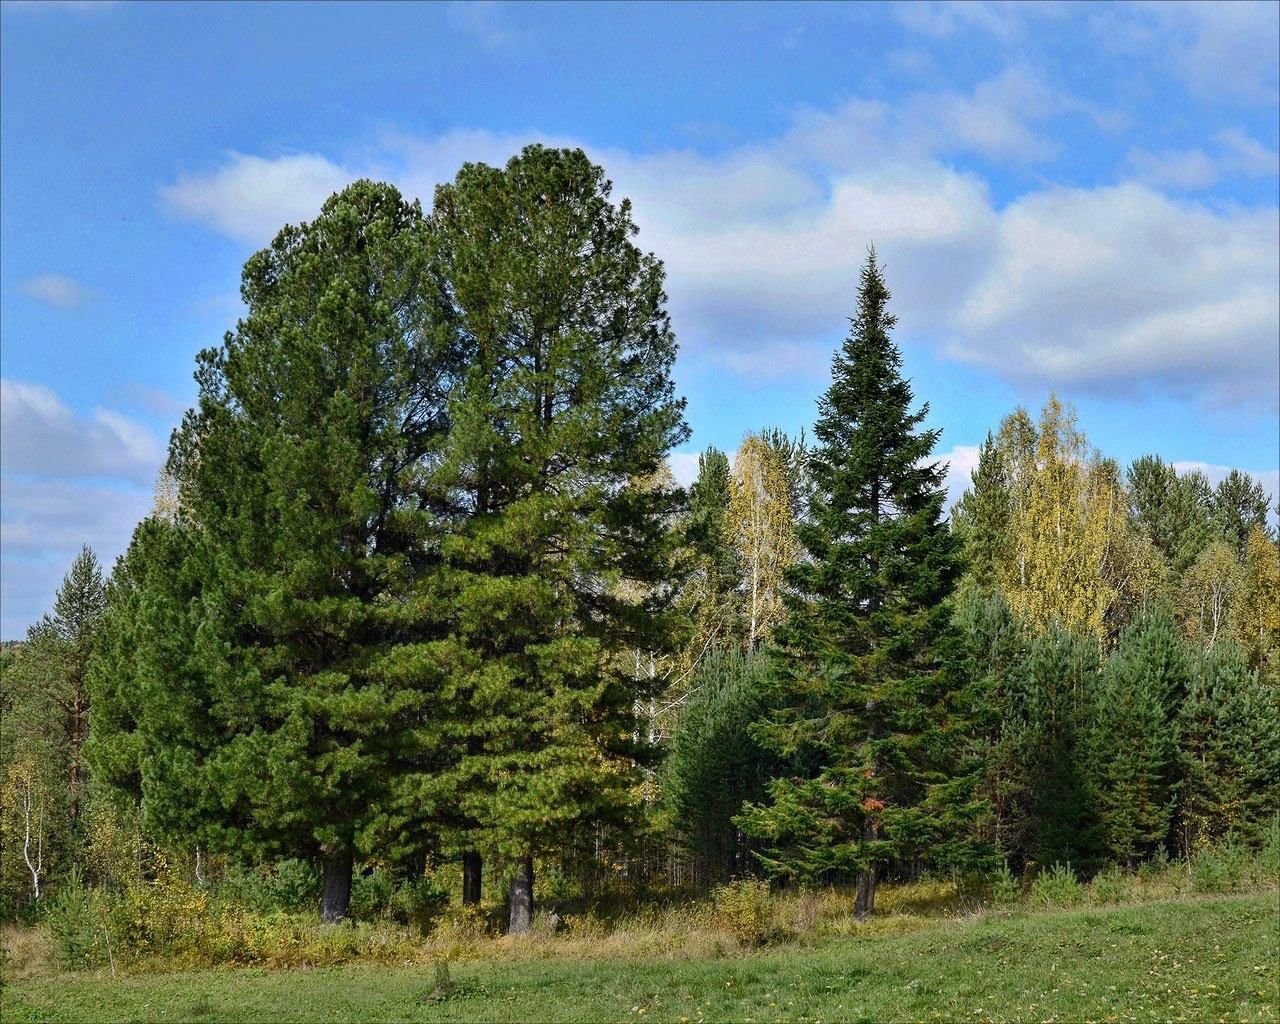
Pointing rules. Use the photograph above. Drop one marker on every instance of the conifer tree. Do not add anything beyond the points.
(995, 648)
(1133, 753)
(862, 703)
(1229, 751)
(984, 517)
(1174, 510)
(714, 765)
(1239, 507)
(1053, 715)
(558, 559)
(305, 699)
(711, 597)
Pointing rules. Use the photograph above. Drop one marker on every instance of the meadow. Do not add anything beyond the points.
(1084, 953)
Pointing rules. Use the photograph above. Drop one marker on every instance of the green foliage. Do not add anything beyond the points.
(1056, 887)
(1230, 749)
(1133, 748)
(44, 706)
(1175, 511)
(268, 690)
(556, 565)
(862, 704)
(715, 765)
(1050, 719)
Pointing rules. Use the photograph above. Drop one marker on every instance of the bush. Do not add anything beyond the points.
(1225, 867)
(419, 903)
(1110, 886)
(287, 886)
(1006, 887)
(744, 908)
(1057, 887)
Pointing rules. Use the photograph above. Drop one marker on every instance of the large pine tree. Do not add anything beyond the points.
(558, 558)
(865, 709)
(284, 688)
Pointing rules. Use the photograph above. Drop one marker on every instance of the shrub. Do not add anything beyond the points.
(744, 908)
(419, 903)
(1006, 887)
(1225, 867)
(1056, 887)
(1109, 886)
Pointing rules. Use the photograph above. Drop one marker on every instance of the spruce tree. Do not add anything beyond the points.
(559, 557)
(983, 517)
(301, 707)
(863, 705)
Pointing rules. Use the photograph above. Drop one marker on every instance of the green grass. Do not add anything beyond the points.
(1192, 960)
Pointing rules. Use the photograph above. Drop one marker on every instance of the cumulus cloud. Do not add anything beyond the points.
(55, 290)
(1102, 288)
(42, 527)
(1237, 155)
(249, 192)
(40, 435)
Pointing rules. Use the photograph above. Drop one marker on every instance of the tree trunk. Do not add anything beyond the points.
(337, 885)
(865, 902)
(472, 866)
(522, 898)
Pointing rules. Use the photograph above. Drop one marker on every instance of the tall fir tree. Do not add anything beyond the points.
(558, 563)
(863, 706)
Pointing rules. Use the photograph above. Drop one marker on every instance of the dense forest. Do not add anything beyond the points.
(420, 611)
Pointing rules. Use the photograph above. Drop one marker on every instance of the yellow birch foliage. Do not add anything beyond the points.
(1210, 594)
(1258, 614)
(763, 529)
(1065, 532)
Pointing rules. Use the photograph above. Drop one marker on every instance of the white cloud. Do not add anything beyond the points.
(40, 435)
(684, 467)
(250, 192)
(55, 290)
(1098, 288)
(1192, 169)
(1114, 287)
(1225, 49)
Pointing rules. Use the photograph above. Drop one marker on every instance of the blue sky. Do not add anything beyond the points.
(1065, 196)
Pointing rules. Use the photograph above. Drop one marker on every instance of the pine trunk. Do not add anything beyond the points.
(337, 885)
(865, 902)
(472, 867)
(522, 898)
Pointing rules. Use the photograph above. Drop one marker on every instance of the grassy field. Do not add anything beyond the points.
(1191, 960)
